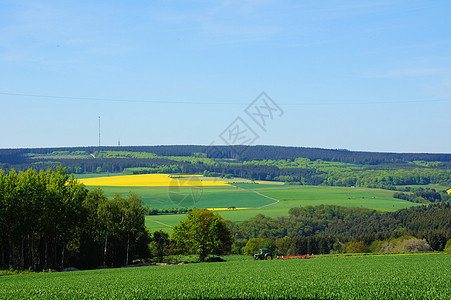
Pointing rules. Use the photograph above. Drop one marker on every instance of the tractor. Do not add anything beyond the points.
(264, 254)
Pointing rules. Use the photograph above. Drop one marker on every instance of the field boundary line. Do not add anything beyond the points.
(258, 193)
(162, 223)
(277, 200)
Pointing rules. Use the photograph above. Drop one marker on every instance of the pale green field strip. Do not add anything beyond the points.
(364, 277)
(95, 175)
(233, 215)
(294, 195)
(208, 197)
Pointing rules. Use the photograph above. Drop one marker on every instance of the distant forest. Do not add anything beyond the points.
(18, 156)
(327, 229)
(294, 165)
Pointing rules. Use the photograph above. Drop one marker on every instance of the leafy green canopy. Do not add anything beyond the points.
(49, 220)
(203, 232)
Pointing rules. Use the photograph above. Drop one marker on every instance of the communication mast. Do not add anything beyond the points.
(99, 132)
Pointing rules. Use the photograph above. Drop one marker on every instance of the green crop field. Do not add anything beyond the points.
(293, 196)
(362, 277)
(244, 195)
(255, 196)
(206, 197)
(93, 175)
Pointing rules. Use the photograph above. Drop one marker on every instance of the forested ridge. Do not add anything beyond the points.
(295, 165)
(12, 156)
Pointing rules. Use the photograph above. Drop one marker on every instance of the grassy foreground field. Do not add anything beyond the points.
(364, 277)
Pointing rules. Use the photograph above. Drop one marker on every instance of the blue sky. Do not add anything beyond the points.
(359, 75)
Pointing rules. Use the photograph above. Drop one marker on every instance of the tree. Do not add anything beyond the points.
(405, 244)
(253, 245)
(357, 247)
(203, 232)
(92, 230)
(39, 217)
(160, 243)
(448, 246)
(282, 245)
(133, 221)
(123, 227)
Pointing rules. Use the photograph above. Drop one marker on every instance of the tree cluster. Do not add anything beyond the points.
(48, 220)
(423, 196)
(168, 211)
(203, 232)
(327, 229)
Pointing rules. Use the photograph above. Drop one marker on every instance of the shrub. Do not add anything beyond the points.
(448, 246)
(406, 244)
(357, 247)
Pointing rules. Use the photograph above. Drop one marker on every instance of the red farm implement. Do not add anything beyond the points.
(295, 257)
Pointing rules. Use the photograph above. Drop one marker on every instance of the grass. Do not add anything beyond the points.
(206, 197)
(94, 175)
(294, 195)
(251, 195)
(361, 277)
(289, 195)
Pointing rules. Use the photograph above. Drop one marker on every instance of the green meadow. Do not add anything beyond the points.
(293, 196)
(200, 197)
(343, 277)
(268, 199)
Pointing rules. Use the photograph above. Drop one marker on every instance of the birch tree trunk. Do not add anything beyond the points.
(105, 248)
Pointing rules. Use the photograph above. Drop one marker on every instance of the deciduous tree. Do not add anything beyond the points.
(203, 232)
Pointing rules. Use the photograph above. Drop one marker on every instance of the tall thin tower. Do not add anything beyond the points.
(99, 131)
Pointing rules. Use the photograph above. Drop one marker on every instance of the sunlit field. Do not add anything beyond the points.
(362, 277)
(152, 180)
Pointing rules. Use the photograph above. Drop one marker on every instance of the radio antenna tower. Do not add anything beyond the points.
(99, 131)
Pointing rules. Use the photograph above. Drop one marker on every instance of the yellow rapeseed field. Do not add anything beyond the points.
(150, 180)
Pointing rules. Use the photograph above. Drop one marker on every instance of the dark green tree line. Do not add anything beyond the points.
(49, 220)
(323, 227)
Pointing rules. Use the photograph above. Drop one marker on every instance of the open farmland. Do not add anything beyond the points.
(294, 196)
(207, 197)
(162, 191)
(361, 277)
(165, 191)
(303, 195)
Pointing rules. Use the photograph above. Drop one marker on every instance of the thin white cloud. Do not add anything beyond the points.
(426, 71)
(416, 72)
